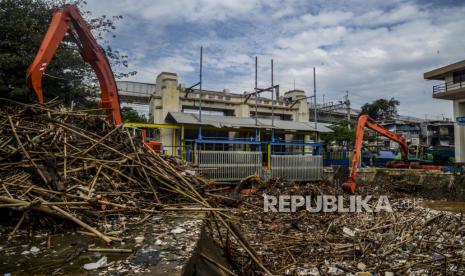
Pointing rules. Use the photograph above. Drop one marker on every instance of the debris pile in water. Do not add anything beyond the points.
(58, 165)
(75, 166)
(411, 240)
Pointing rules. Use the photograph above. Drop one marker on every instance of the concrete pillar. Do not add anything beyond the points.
(167, 88)
(459, 131)
(232, 135)
(302, 114)
(307, 139)
(242, 110)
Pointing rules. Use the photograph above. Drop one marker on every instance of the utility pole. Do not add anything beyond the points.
(256, 94)
(347, 102)
(426, 126)
(314, 102)
(200, 93)
(272, 95)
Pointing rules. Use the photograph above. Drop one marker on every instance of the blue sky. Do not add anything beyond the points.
(372, 48)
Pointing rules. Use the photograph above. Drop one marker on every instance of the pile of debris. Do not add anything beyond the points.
(76, 167)
(409, 240)
(60, 167)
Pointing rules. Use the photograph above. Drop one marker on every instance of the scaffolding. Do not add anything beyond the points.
(259, 149)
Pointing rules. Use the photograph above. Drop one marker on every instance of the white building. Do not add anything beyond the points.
(452, 88)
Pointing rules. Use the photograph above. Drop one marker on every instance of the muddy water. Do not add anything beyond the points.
(170, 239)
(16, 260)
(444, 205)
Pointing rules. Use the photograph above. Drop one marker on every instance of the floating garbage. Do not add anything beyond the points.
(178, 230)
(100, 263)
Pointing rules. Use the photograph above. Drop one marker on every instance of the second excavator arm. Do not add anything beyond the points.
(365, 121)
(68, 19)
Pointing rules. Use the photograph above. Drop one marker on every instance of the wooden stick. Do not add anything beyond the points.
(244, 245)
(110, 250)
(25, 152)
(94, 180)
(143, 169)
(89, 200)
(6, 190)
(44, 209)
(17, 226)
(195, 209)
(93, 235)
(98, 142)
(217, 264)
(81, 223)
(139, 163)
(9, 205)
(65, 157)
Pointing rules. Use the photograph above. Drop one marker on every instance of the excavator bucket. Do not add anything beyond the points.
(349, 186)
(91, 52)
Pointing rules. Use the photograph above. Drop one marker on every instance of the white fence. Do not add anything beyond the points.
(297, 167)
(228, 165)
(234, 165)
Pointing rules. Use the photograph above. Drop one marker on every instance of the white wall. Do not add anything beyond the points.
(459, 131)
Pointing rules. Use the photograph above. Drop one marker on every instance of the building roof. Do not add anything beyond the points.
(242, 122)
(439, 73)
(441, 123)
(228, 93)
(341, 110)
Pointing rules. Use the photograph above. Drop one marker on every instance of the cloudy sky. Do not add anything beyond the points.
(371, 48)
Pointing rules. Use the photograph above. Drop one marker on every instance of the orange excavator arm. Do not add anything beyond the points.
(365, 121)
(68, 19)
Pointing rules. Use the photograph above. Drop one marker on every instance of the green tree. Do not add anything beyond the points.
(342, 135)
(381, 109)
(23, 24)
(131, 116)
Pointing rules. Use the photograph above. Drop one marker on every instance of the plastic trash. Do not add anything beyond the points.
(178, 230)
(100, 263)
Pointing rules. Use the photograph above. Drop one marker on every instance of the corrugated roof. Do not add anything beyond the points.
(238, 122)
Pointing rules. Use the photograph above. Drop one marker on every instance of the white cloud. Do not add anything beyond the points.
(323, 19)
(402, 13)
(166, 12)
(371, 48)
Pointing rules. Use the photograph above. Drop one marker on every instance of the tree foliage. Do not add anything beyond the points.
(23, 24)
(341, 135)
(130, 115)
(344, 136)
(381, 109)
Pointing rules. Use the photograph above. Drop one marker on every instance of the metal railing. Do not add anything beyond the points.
(235, 165)
(297, 167)
(447, 86)
(337, 158)
(228, 165)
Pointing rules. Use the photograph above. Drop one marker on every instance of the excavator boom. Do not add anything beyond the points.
(68, 19)
(365, 121)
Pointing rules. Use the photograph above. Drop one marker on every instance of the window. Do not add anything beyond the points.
(459, 76)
